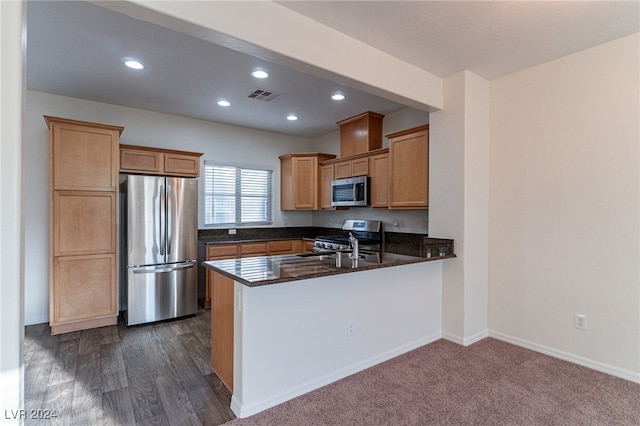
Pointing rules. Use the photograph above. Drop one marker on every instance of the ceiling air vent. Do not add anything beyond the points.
(264, 95)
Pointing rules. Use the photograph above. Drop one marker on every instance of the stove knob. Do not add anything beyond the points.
(320, 245)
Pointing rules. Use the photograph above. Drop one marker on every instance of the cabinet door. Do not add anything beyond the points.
(84, 223)
(307, 246)
(253, 249)
(138, 160)
(379, 166)
(181, 165)
(222, 328)
(222, 251)
(84, 287)
(326, 177)
(343, 170)
(409, 170)
(284, 247)
(305, 186)
(84, 158)
(360, 167)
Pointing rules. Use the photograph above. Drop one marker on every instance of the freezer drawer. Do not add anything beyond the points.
(161, 292)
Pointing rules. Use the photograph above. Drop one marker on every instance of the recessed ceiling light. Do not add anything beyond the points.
(260, 74)
(133, 64)
(224, 103)
(292, 117)
(337, 97)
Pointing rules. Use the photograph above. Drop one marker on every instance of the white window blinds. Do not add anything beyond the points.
(237, 195)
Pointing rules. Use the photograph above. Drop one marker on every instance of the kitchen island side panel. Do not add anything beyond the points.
(297, 336)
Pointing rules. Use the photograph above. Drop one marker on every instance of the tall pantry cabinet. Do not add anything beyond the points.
(83, 224)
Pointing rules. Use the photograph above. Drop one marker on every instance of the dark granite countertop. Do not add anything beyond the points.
(265, 270)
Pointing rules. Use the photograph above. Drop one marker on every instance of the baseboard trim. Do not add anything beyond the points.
(566, 356)
(465, 341)
(242, 411)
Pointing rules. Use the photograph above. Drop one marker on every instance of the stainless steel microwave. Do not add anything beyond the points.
(350, 192)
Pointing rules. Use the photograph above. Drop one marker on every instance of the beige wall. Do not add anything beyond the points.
(564, 203)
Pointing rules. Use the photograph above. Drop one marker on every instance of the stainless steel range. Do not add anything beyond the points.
(368, 233)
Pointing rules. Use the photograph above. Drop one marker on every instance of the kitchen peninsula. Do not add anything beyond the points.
(285, 325)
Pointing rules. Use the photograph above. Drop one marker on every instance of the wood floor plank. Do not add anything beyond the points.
(155, 421)
(183, 366)
(89, 341)
(210, 410)
(64, 366)
(142, 388)
(201, 327)
(58, 399)
(200, 355)
(117, 407)
(176, 403)
(87, 392)
(114, 375)
(108, 335)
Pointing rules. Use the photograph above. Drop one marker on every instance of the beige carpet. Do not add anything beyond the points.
(487, 383)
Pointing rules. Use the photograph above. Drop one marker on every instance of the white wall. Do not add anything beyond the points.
(459, 173)
(564, 200)
(393, 310)
(11, 253)
(217, 141)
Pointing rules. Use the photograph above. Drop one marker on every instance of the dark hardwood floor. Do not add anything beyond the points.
(153, 374)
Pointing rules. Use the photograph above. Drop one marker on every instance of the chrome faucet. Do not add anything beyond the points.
(355, 253)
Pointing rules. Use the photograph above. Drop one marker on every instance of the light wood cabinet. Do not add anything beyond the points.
(276, 248)
(379, 172)
(299, 181)
(307, 246)
(217, 252)
(409, 168)
(360, 134)
(84, 227)
(326, 177)
(351, 168)
(222, 328)
(239, 250)
(157, 161)
(252, 249)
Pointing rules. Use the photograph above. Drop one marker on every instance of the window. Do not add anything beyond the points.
(237, 195)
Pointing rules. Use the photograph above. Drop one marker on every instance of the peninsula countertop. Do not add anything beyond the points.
(265, 270)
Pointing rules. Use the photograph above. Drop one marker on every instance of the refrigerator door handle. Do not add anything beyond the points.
(169, 201)
(167, 268)
(163, 218)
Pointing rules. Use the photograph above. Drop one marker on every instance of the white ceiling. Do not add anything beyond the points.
(76, 49)
(489, 38)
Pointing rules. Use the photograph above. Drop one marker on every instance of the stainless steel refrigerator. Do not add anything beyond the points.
(160, 233)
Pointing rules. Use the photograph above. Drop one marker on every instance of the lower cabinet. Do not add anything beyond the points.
(222, 328)
(238, 250)
(83, 292)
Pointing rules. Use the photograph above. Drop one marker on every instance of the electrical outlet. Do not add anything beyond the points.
(580, 321)
(232, 232)
(351, 328)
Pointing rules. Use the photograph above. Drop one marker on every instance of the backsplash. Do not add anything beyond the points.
(404, 221)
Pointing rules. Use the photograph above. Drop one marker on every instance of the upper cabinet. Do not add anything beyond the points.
(299, 180)
(360, 134)
(156, 161)
(409, 168)
(84, 155)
